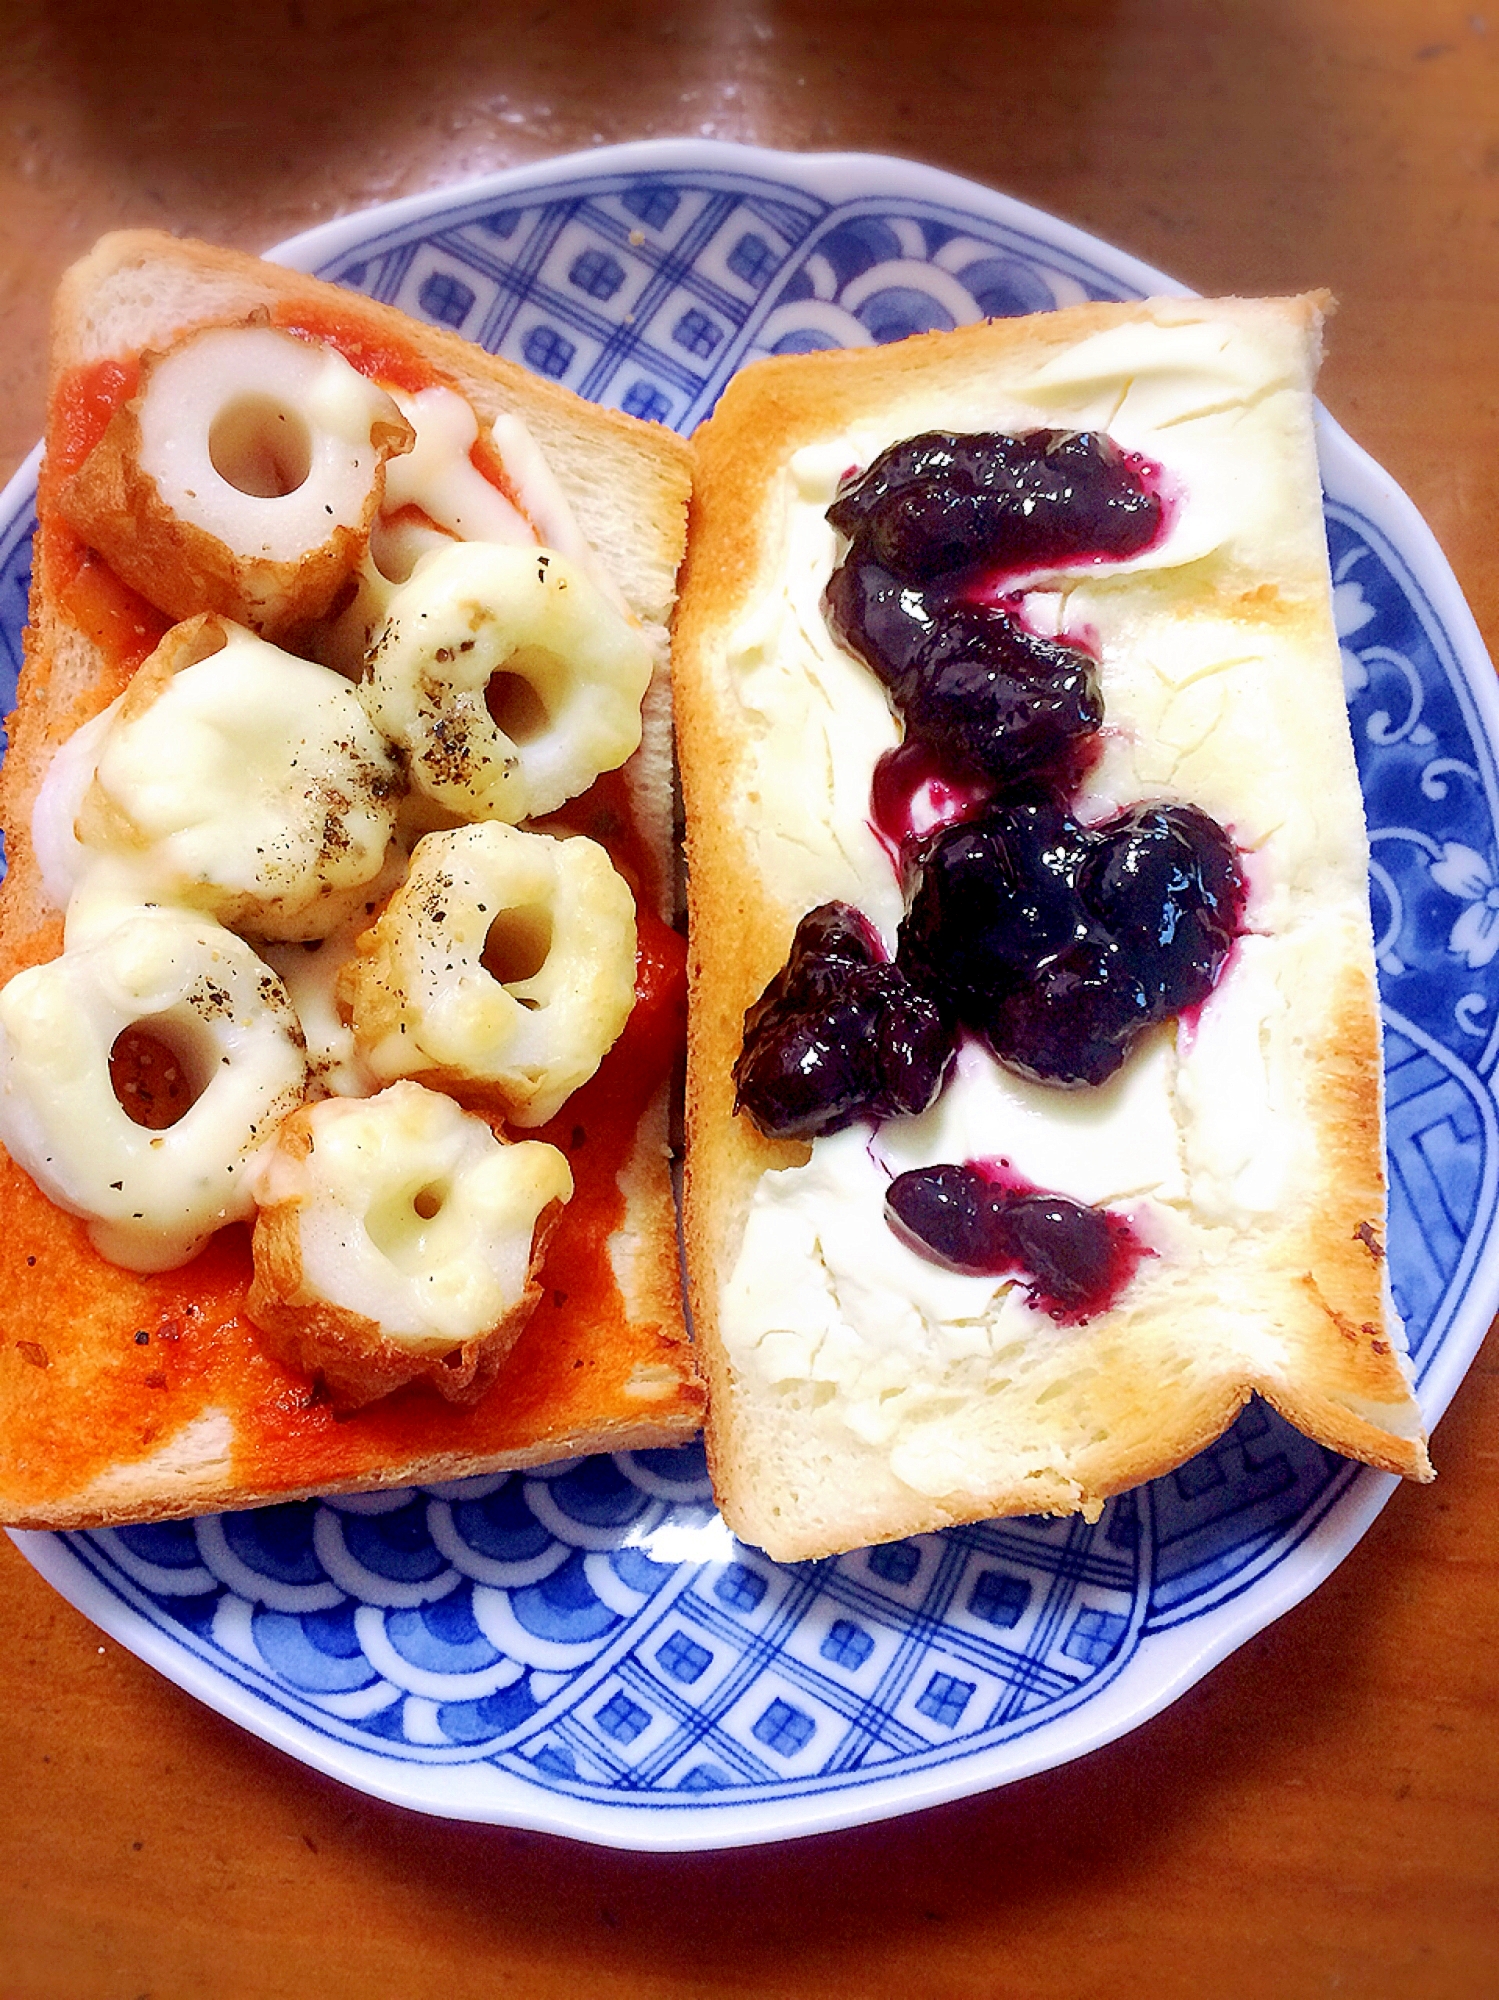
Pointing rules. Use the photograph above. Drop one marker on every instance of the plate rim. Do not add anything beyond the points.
(1187, 1652)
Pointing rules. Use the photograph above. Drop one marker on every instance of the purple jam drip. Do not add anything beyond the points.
(1061, 944)
(915, 792)
(969, 680)
(1074, 1260)
(839, 1034)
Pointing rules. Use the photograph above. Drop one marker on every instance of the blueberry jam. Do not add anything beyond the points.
(940, 503)
(1075, 1260)
(1057, 943)
(935, 525)
(1061, 944)
(968, 679)
(839, 1034)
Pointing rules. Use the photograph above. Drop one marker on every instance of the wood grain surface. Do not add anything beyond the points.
(1319, 1816)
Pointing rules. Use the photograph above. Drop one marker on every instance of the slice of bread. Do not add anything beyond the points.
(858, 1392)
(126, 1396)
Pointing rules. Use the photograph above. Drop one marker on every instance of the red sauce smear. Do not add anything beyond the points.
(86, 399)
(118, 620)
(100, 1367)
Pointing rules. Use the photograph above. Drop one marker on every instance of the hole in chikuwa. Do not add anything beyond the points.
(260, 447)
(156, 1075)
(515, 707)
(517, 946)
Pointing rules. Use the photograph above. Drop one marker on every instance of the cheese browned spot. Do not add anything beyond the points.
(507, 678)
(503, 965)
(397, 1239)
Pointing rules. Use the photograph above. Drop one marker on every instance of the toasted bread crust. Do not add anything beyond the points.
(125, 1397)
(1137, 1391)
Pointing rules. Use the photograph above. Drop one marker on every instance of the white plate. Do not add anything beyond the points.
(586, 1649)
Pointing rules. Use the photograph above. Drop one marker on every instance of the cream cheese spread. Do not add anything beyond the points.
(1191, 1139)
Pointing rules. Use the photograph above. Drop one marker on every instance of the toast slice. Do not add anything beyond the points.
(129, 1396)
(858, 1391)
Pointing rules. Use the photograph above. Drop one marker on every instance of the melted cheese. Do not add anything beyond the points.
(435, 495)
(412, 1214)
(152, 1196)
(572, 670)
(438, 475)
(214, 784)
(249, 784)
(527, 1033)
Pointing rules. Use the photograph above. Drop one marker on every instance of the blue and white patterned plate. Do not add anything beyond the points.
(586, 1649)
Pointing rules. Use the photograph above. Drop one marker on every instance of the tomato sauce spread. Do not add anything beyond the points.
(394, 365)
(101, 1367)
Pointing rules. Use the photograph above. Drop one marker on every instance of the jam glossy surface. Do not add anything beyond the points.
(969, 679)
(936, 526)
(1062, 944)
(943, 502)
(1073, 1260)
(914, 791)
(839, 1034)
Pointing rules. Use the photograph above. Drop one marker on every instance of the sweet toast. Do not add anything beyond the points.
(861, 1391)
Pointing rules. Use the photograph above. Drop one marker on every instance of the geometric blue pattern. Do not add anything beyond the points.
(740, 1588)
(997, 1598)
(621, 1719)
(445, 299)
(646, 291)
(1096, 1637)
(895, 1562)
(847, 1645)
(682, 1659)
(784, 1729)
(945, 1697)
(588, 1638)
(597, 274)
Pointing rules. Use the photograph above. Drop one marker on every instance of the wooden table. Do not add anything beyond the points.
(1322, 1813)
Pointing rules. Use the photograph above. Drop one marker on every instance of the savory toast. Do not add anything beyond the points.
(139, 1393)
